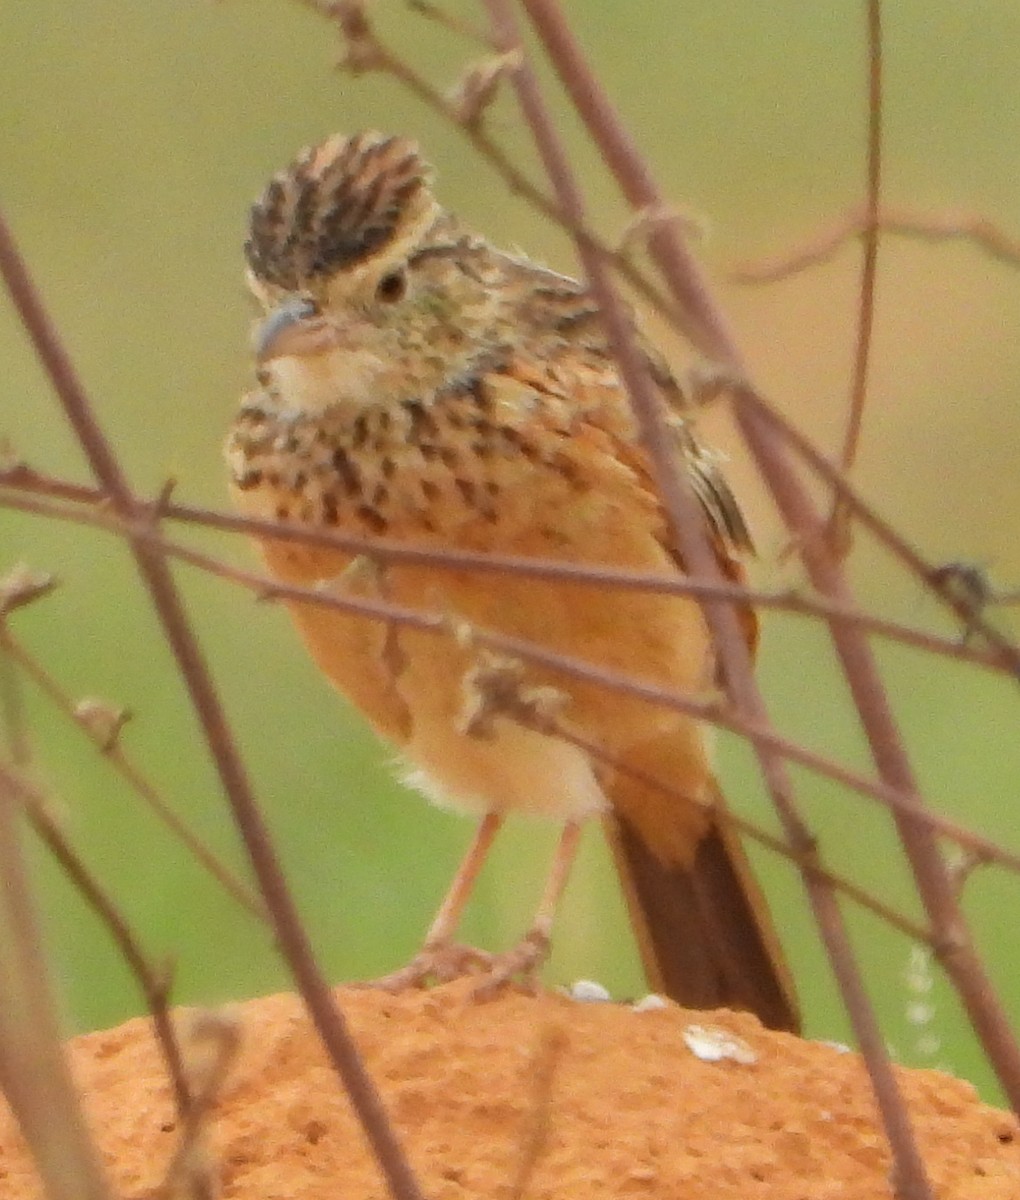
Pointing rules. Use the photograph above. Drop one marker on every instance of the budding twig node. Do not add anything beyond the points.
(477, 89)
(102, 720)
(21, 586)
(644, 222)
(362, 53)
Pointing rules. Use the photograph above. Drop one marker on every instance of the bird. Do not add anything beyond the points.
(414, 383)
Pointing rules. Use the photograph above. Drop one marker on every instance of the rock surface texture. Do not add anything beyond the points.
(536, 1097)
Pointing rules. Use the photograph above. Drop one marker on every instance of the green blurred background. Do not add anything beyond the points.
(133, 137)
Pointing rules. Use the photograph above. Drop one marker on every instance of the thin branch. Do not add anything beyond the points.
(749, 829)
(934, 577)
(838, 530)
(34, 1074)
(267, 588)
(212, 1042)
(154, 984)
(688, 284)
(954, 944)
(383, 550)
(691, 538)
(952, 226)
(702, 320)
(143, 787)
(13, 725)
(155, 574)
(451, 21)
(690, 289)
(367, 52)
(536, 1126)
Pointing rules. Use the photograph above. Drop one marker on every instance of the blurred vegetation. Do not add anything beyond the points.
(132, 138)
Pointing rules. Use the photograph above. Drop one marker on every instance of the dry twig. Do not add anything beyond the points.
(163, 593)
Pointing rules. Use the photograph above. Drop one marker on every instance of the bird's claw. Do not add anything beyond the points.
(447, 961)
(434, 964)
(520, 965)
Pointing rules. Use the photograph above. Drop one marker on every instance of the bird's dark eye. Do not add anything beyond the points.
(392, 287)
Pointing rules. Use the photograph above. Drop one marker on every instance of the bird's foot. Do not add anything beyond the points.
(437, 963)
(520, 965)
(445, 961)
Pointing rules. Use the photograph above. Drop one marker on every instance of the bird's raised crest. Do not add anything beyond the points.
(339, 204)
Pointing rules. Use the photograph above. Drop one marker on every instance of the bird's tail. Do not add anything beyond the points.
(701, 921)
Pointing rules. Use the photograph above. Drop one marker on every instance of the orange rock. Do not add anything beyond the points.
(538, 1097)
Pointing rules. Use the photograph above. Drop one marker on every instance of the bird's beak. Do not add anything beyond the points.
(290, 330)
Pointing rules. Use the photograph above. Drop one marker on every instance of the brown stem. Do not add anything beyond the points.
(137, 780)
(33, 1071)
(703, 322)
(377, 56)
(859, 895)
(869, 263)
(692, 294)
(838, 528)
(269, 589)
(932, 878)
(707, 327)
(934, 578)
(154, 984)
(954, 943)
(212, 1043)
(450, 21)
(155, 574)
(540, 568)
(686, 279)
(981, 231)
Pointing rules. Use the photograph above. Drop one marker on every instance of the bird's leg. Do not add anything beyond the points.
(524, 961)
(440, 958)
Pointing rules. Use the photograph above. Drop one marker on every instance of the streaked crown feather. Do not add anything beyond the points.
(338, 204)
